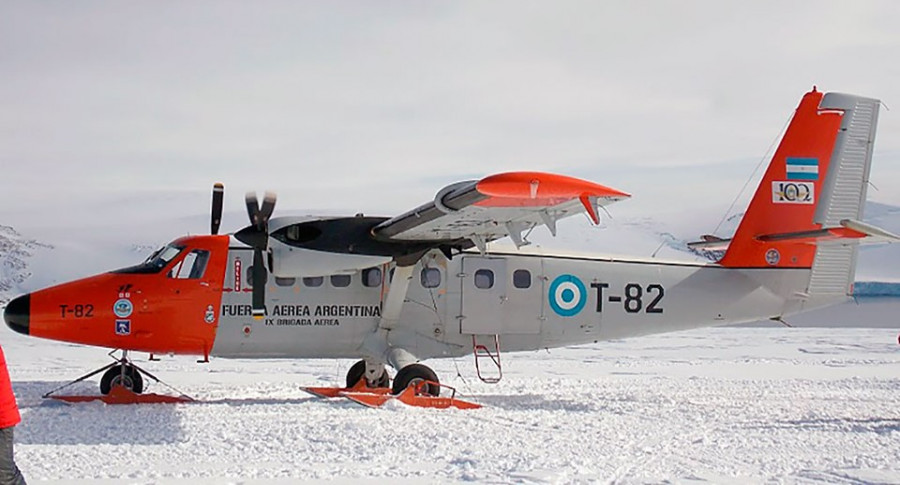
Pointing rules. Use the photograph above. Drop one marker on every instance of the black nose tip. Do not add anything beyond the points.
(17, 314)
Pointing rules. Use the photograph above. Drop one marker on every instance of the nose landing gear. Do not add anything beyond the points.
(121, 383)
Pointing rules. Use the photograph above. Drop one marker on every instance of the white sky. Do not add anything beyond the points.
(114, 111)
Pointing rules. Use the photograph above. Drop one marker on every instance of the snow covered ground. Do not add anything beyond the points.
(730, 405)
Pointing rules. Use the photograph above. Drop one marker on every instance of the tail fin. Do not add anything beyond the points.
(815, 183)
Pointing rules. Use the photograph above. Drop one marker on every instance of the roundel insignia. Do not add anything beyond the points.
(123, 308)
(773, 256)
(567, 295)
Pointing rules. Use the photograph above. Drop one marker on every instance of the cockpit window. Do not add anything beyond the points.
(156, 262)
(192, 266)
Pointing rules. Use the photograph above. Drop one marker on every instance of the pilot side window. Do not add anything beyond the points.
(522, 278)
(431, 277)
(371, 277)
(340, 280)
(313, 281)
(484, 279)
(192, 266)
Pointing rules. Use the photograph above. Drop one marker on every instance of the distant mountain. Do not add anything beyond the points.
(15, 253)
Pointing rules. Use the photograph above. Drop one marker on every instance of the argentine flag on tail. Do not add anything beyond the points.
(802, 168)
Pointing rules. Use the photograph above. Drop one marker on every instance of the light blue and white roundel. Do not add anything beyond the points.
(567, 295)
(123, 308)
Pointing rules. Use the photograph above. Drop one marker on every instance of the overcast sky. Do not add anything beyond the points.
(133, 109)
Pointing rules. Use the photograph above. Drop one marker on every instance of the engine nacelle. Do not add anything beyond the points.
(321, 246)
(289, 262)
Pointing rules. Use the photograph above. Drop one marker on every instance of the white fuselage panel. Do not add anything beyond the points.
(529, 301)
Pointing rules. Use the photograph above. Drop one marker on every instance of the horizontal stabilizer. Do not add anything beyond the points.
(850, 229)
(873, 234)
(710, 243)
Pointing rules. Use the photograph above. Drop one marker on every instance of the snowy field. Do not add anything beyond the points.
(731, 405)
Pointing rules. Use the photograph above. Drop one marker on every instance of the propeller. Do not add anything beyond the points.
(256, 235)
(216, 214)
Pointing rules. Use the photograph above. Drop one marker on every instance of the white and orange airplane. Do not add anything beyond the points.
(393, 292)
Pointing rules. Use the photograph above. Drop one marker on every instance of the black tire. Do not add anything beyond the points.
(131, 379)
(358, 370)
(415, 373)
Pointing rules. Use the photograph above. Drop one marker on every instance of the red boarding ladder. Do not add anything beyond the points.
(482, 352)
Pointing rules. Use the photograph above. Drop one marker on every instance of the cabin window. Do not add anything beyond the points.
(250, 276)
(285, 281)
(192, 266)
(313, 281)
(484, 279)
(522, 278)
(431, 277)
(340, 280)
(371, 277)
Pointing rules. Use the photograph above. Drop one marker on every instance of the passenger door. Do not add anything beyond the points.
(483, 295)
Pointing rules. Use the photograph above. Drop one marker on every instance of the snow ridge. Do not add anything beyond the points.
(15, 250)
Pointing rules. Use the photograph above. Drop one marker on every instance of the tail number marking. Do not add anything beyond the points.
(793, 193)
(77, 311)
(634, 299)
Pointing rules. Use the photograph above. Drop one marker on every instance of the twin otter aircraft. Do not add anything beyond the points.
(422, 285)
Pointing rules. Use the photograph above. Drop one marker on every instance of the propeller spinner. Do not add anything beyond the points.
(256, 235)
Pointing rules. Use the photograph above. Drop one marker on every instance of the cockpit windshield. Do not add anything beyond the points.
(156, 262)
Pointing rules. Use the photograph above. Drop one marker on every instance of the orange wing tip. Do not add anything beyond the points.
(539, 188)
(590, 206)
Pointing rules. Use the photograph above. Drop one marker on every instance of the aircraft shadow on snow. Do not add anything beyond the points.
(47, 421)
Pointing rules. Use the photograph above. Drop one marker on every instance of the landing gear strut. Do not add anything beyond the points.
(124, 375)
(358, 371)
(122, 383)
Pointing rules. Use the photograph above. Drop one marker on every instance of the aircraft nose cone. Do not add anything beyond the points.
(18, 314)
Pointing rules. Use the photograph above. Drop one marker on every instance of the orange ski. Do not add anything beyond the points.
(414, 395)
(121, 395)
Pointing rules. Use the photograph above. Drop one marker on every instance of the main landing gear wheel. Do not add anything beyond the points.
(358, 370)
(414, 374)
(122, 375)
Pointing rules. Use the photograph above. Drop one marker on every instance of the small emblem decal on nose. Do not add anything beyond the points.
(123, 308)
(210, 316)
(123, 327)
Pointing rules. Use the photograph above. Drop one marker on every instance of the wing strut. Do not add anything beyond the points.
(393, 303)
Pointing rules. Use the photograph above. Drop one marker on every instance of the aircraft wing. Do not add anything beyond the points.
(497, 206)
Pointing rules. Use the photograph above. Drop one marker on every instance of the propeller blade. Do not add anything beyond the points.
(258, 309)
(256, 235)
(252, 208)
(268, 206)
(218, 194)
